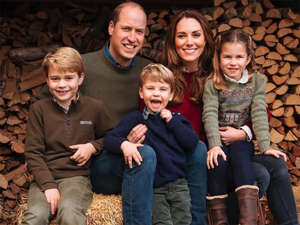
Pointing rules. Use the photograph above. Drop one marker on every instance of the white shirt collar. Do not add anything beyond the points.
(244, 79)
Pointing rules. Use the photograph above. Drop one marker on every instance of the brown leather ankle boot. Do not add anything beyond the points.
(247, 196)
(216, 210)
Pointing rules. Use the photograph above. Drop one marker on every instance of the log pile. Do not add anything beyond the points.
(27, 35)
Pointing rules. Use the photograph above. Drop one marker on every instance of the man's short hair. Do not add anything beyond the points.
(65, 59)
(117, 11)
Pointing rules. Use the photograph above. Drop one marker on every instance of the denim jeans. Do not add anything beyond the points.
(110, 175)
(273, 179)
(197, 182)
(75, 198)
(279, 193)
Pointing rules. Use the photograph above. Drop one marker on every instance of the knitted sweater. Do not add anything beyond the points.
(189, 109)
(116, 86)
(169, 140)
(50, 132)
(235, 106)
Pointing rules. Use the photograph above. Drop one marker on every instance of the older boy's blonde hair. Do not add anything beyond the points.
(157, 72)
(64, 59)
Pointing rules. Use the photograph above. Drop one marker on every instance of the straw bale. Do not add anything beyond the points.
(104, 210)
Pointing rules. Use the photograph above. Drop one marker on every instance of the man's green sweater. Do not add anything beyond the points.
(238, 104)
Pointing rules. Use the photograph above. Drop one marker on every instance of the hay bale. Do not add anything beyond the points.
(104, 210)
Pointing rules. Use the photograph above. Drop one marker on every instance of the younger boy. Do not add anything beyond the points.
(63, 132)
(170, 135)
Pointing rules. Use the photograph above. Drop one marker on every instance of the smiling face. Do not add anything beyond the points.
(63, 85)
(234, 59)
(156, 95)
(189, 42)
(127, 34)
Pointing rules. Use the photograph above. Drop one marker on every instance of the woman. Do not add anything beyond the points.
(189, 50)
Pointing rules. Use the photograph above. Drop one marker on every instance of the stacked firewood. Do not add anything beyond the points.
(27, 34)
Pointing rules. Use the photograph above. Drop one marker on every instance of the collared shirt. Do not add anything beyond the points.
(107, 52)
(244, 79)
(147, 114)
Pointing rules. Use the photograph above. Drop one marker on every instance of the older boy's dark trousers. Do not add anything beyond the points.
(236, 171)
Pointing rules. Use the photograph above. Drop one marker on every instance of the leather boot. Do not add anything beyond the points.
(216, 210)
(247, 196)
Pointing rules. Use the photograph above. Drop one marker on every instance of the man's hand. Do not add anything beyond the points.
(83, 153)
(229, 135)
(52, 196)
(276, 153)
(166, 115)
(137, 134)
(130, 152)
(212, 156)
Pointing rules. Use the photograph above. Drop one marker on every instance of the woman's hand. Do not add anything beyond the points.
(276, 153)
(229, 135)
(212, 156)
(137, 134)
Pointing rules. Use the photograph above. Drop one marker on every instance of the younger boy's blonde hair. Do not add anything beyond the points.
(157, 72)
(64, 59)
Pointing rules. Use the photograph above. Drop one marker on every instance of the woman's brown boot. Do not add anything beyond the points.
(216, 210)
(247, 196)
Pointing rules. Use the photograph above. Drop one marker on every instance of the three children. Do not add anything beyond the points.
(63, 132)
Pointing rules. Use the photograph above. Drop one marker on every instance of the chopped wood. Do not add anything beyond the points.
(244, 2)
(269, 87)
(255, 18)
(20, 181)
(268, 63)
(293, 81)
(275, 136)
(271, 38)
(18, 147)
(285, 69)
(223, 27)
(271, 29)
(3, 182)
(4, 139)
(247, 12)
(13, 120)
(267, 23)
(281, 49)
(248, 30)
(15, 173)
(283, 32)
(274, 122)
(281, 90)
(270, 97)
(236, 22)
(218, 2)
(273, 69)
(296, 72)
(273, 14)
(292, 99)
(296, 33)
(276, 104)
(280, 79)
(261, 50)
(258, 8)
(290, 58)
(290, 136)
(285, 23)
(277, 112)
(288, 111)
(274, 55)
(218, 12)
(260, 60)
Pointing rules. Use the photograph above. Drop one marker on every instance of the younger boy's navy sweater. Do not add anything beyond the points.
(169, 140)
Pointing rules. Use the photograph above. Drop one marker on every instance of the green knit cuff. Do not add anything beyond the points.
(214, 141)
(264, 146)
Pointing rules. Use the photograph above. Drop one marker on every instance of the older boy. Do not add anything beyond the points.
(63, 132)
(170, 135)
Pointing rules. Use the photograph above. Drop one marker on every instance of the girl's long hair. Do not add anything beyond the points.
(231, 36)
(175, 63)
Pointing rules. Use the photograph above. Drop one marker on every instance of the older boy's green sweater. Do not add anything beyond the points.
(235, 106)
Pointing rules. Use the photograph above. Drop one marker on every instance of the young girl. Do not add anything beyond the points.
(233, 97)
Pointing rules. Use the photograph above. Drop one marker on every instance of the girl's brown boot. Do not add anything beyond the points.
(216, 210)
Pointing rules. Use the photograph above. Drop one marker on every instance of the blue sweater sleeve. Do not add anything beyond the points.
(183, 131)
(114, 139)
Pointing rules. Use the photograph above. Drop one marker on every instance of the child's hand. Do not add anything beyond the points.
(212, 156)
(230, 134)
(130, 152)
(52, 196)
(166, 115)
(83, 153)
(137, 134)
(275, 153)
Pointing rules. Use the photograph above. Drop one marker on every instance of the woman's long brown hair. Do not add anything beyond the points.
(175, 63)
